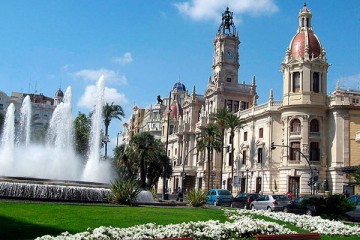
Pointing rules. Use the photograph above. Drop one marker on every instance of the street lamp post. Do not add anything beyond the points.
(247, 180)
(166, 150)
(311, 180)
(183, 170)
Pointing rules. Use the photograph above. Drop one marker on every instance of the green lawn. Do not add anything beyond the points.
(31, 220)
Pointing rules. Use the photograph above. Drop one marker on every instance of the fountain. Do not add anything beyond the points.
(53, 170)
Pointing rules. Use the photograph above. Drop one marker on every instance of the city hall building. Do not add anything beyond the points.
(302, 143)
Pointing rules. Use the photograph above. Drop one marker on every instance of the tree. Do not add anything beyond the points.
(220, 118)
(82, 126)
(146, 155)
(356, 175)
(210, 141)
(128, 167)
(233, 122)
(111, 111)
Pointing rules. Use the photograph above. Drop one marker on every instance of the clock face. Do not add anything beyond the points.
(229, 54)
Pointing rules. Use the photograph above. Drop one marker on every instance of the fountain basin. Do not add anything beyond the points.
(53, 190)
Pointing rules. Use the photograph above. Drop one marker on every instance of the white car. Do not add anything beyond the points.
(270, 202)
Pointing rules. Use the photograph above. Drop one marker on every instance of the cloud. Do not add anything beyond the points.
(212, 9)
(94, 74)
(125, 59)
(88, 99)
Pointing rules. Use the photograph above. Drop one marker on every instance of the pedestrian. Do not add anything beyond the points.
(289, 195)
(179, 194)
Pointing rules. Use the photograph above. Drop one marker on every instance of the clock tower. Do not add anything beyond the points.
(226, 48)
(224, 89)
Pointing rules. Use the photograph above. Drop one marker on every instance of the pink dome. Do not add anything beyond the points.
(299, 43)
(176, 110)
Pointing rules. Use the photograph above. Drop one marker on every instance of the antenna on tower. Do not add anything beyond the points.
(35, 88)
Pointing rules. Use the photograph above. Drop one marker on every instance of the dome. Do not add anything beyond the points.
(59, 93)
(301, 41)
(179, 86)
(176, 110)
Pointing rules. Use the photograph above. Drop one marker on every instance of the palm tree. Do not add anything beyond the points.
(220, 118)
(233, 122)
(211, 140)
(147, 154)
(111, 111)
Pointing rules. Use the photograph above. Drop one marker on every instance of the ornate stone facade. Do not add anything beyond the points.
(282, 144)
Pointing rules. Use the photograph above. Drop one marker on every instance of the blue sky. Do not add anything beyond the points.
(144, 46)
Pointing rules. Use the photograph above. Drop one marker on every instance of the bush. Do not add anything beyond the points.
(332, 206)
(335, 206)
(197, 198)
(124, 191)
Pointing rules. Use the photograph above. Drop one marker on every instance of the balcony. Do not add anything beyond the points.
(315, 134)
(298, 133)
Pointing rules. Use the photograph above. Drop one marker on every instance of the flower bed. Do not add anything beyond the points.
(242, 227)
(309, 223)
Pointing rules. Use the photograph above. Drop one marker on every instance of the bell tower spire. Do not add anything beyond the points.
(226, 51)
(227, 25)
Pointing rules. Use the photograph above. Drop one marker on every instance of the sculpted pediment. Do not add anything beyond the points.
(259, 143)
(244, 145)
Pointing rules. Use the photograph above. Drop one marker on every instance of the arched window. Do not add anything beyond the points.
(295, 126)
(314, 126)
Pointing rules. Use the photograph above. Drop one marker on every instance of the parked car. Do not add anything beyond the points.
(353, 215)
(219, 197)
(270, 202)
(303, 205)
(243, 200)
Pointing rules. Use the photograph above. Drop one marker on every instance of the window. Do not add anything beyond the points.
(245, 136)
(236, 106)
(228, 79)
(295, 151)
(316, 82)
(230, 158)
(314, 126)
(295, 126)
(244, 105)
(258, 184)
(229, 105)
(296, 82)
(175, 151)
(260, 155)
(172, 129)
(314, 151)
(261, 132)
(244, 157)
